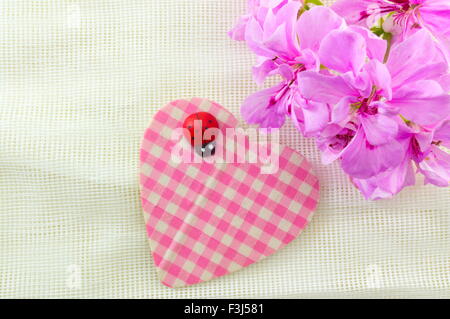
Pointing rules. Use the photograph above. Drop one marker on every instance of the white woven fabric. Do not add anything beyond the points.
(79, 82)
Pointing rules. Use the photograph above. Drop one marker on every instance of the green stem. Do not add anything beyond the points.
(388, 38)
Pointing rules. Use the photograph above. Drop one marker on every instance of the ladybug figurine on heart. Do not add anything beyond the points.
(208, 218)
(196, 125)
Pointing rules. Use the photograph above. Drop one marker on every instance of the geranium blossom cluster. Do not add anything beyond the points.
(368, 79)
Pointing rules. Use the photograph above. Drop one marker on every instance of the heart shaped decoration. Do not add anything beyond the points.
(206, 219)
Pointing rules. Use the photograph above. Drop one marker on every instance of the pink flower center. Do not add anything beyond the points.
(404, 11)
(365, 106)
(341, 140)
(415, 150)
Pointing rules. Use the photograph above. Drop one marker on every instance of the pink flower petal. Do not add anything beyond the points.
(407, 63)
(436, 168)
(310, 117)
(389, 183)
(259, 109)
(435, 15)
(343, 51)
(422, 102)
(376, 46)
(315, 24)
(351, 9)
(379, 129)
(380, 77)
(362, 160)
(263, 70)
(442, 134)
(324, 88)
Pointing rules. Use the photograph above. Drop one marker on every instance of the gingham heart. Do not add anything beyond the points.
(205, 220)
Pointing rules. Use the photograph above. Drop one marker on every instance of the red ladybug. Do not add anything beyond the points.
(206, 121)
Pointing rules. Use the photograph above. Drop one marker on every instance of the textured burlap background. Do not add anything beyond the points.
(79, 81)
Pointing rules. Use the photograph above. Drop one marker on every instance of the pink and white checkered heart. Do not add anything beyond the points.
(205, 220)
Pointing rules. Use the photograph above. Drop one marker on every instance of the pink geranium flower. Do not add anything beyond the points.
(410, 15)
(287, 46)
(378, 104)
(371, 100)
(291, 53)
(276, 35)
(423, 150)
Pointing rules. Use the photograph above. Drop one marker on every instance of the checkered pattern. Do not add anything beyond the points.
(205, 220)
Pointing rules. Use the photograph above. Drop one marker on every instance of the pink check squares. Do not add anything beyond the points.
(206, 220)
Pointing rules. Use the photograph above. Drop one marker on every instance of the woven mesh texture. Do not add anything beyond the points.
(79, 83)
